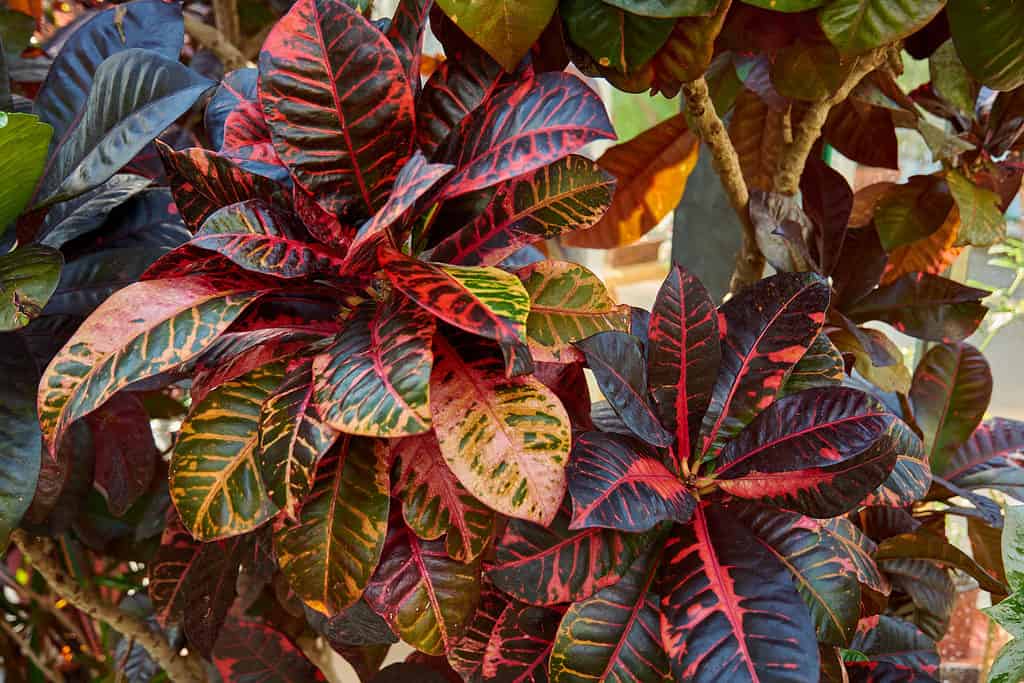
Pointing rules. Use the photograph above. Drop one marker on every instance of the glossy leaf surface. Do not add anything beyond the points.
(992, 54)
(28, 278)
(856, 26)
(504, 28)
(125, 452)
(23, 145)
(250, 650)
(20, 440)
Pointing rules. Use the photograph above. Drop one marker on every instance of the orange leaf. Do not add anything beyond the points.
(651, 172)
(933, 254)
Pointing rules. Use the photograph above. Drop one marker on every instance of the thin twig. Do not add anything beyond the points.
(40, 551)
(216, 42)
(29, 595)
(709, 127)
(26, 649)
(794, 155)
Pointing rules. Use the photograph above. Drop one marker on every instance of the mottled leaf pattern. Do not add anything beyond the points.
(456, 88)
(329, 555)
(272, 255)
(252, 651)
(520, 645)
(910, 476)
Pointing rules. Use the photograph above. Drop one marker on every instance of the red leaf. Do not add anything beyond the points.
(249, 650)
(987, 448)
(520, 645)
(338, 103)
(457, 88)
(125, 451)
(169, 569)
(467, 656)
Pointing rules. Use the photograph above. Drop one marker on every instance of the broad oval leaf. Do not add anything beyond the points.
(507, 440)
(568, 303)
(435, 504)
(87, 213)
(28, 278)
(986, 449)
(523, 128)
(273, 255)
(373, 379)
(169, 570)
(209, 590)
(818, 452)
(950, 392)
(982, 223)
(457, 87)
(125, 452)
(859, 551)
(683, 355)
(614, 37)
(519, 648)
(292, 440)
(614, 634)
(766, 329)
(856, 26)
(617, 485)
(252, 650)
(616, 359)
(504, 28)
(214, 476)
(485, 301)
(329, 554)
(158, 324)
(910, 477)
(61, 99)
(819, 565)
(135, 96)
(730, 610)
(650, 173)
(568, 195)
(912, 211)
(338, 103)
(426, 596)
(235, 89)
(551, 565)
(821, 366)
(23, 150)
(985, 43)
(467, 656)
(925, 544)
(888, 639)
(20, 440)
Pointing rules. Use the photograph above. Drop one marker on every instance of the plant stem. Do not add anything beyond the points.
(40, 551)
(26, 649)
(794, 155)
(216, 42)
(709, 127)
(225, 18)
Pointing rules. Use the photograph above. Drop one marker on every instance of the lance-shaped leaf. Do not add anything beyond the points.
(329, 554)
(650, 172)
(72, 219)
(553, 564)
(991, 53)
(818, 452)
(250, 649)
(456, 88)
(567, 195)
(435, 504)
(730, 610)
(125, 452)
(338, 103)
(683, 354)
(235, 89)
(983, 457)
(856, 26)
(951, 389)
(159, 325)
(819, 565)
(23, 150)
(925, 306)
(406, 32)
(767, 328)
(28, 278)
(20, 440)
(520, 646)
(504, 28)
(614, 634)
(373, 378)
(169, 569)
(415, 179)
(927, 545)
(522, 129)
(135, 96)
(203, 181)
(467, 656)
(568, 303)
(616, 359)
(888, 639)
(859, 550)
(292, 439)
(821, 366)
(910, 477)
(616, 484)
(427, 597)
(214, 476)
(506, 439)
(931, 591)
(484, 301)
(62, 97)
(273, 255)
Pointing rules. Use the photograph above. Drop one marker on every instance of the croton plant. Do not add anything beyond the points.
(297, 363)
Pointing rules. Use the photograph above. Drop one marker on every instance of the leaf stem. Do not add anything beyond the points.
(709, 127)
(40, 551)
(216, 42)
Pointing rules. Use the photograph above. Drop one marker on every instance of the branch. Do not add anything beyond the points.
(40, 551)
(26, 649)
(225, 18)
(794, 155)
(216, 42)
(750, 260)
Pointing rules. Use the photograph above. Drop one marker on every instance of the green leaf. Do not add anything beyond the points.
(786, 5)
(856, 26)
(982, 224)
(135, 96)
(668, 8)
(1013, 547)
(951, 80)
(912, 211)
(329, 555)
(28, 278)
(24, 142)
(989, 41)
(614, 38)
(808, 71)
(16, 30)
(505, 28)
(20, 440)
(568, 303)
(1008, 666)
(1009, 614)
(214, 477)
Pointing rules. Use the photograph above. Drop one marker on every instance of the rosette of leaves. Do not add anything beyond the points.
(698, 538)
(373, 347)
